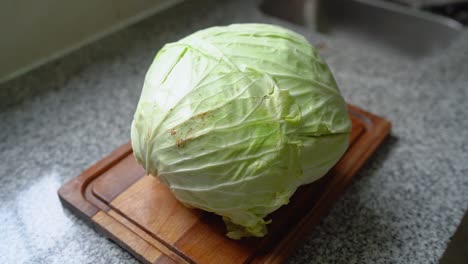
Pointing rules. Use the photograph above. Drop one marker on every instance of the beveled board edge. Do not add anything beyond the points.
(75, 200)
(106, 225)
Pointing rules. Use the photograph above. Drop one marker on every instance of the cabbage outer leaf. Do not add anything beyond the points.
(233, 119)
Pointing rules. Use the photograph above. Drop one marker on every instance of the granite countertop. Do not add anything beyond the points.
(402, 208)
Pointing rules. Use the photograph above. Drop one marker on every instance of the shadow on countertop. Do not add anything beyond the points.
(456, 252)
(367, 224)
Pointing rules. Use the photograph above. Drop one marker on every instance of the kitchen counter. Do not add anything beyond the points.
(402, 208)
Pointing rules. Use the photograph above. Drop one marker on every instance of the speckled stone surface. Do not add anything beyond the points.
(402, 208)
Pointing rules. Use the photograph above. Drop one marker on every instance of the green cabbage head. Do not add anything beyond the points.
(234, 119)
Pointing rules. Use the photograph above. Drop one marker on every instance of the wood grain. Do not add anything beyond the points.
(145, 236)
(128, 239)
(106, 187)
(142, 215)
(151, 205)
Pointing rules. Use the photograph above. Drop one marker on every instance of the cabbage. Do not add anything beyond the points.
(234, 119)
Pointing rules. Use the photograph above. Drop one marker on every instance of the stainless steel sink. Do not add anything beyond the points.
(391, 25)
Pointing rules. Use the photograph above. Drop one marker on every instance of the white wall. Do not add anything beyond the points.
(33, 32)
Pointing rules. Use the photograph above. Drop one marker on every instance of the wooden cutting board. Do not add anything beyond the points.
(140, 214)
